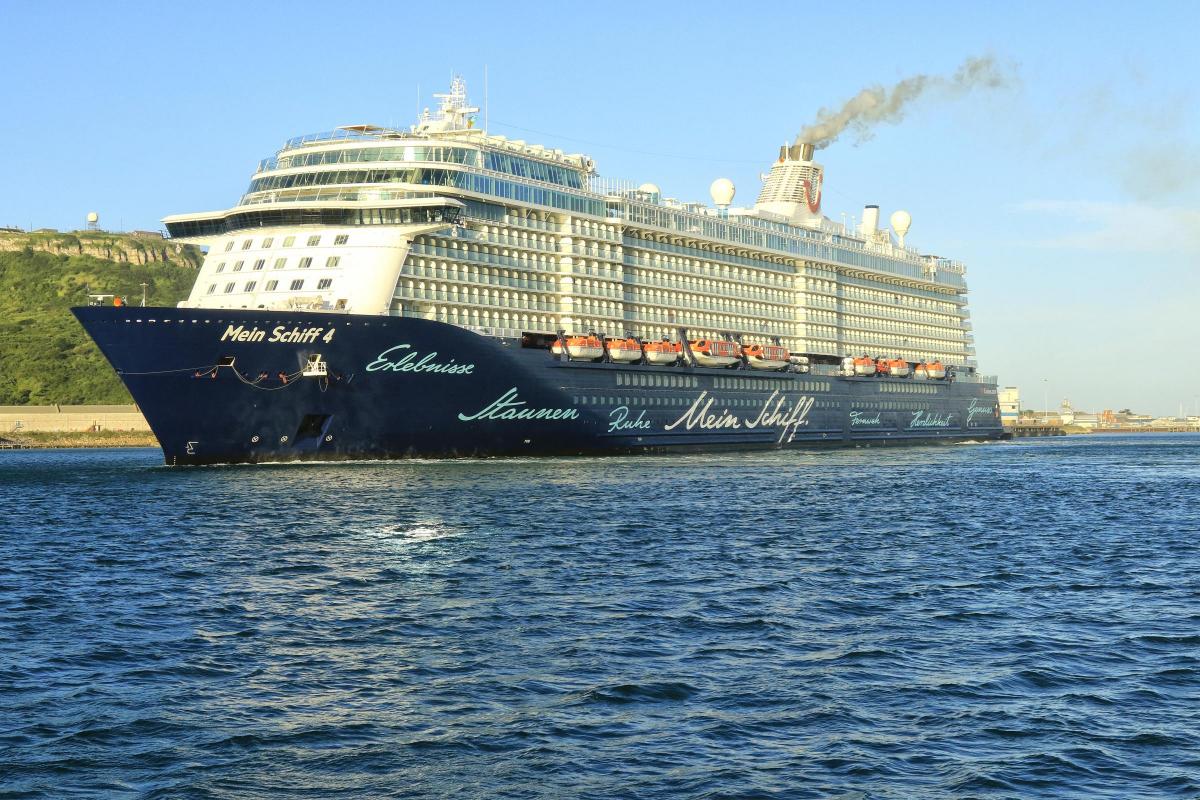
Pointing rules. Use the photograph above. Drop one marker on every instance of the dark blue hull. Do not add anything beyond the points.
(222, 386)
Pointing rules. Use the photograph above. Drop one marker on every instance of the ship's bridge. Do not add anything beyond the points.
(383, 209)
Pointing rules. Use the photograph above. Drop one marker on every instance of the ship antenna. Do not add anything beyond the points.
(485, 101)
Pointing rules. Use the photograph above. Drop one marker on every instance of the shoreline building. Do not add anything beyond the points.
(1010, 405)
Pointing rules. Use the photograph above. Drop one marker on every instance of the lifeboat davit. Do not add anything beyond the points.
(623, 350)
(581, 347)
(864, 365)
(766, 356)
(663, 352)
(714, 352)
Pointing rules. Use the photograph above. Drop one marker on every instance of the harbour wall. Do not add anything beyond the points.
(71, 419)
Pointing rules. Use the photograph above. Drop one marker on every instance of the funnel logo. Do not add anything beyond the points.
(813, 201)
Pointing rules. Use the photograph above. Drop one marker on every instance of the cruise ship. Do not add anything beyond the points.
(442, 291)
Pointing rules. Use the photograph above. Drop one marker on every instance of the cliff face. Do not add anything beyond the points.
(123, 248)
(45, 356)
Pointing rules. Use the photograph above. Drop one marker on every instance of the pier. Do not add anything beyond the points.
(1023, 431)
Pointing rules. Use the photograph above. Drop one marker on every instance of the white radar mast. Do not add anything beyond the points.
(453, 115)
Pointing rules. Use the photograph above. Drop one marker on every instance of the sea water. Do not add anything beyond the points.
(995, 620)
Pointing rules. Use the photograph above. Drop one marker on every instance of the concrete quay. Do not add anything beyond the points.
(71, 419)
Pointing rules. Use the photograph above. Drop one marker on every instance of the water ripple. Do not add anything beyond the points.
(1009, 620)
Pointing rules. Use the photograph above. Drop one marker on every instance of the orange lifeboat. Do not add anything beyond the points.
(898, 368)
(713, 352)
(623, 350)
(933, 370)
(581, 347)
(663, 352)
(864, 365)
(766, 356)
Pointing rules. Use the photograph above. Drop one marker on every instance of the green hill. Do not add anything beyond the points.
(45, 356)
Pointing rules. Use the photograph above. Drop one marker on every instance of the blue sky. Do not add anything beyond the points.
(1073, 195)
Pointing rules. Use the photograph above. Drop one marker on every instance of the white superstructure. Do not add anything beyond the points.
(446, 222)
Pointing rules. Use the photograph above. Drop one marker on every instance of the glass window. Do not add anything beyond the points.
(229, 287)
(289, 241)
(280, 263)
(297, 285)
(221, 267)
(324, 283)
(341, 239)
(250, 286)
(229, 245)
(271, 285)
(260, 218)
(333, 261)
(260, 264)
(212, 287)
(238, 266)
(456, 155)
(305, 262)
(267, 243)
(313, 241)
(246, 244)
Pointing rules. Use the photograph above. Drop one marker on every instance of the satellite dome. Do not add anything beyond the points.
(900, 221)
(649, 188)
(93, 217)
(722, 191)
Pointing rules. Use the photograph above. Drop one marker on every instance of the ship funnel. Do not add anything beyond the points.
(801, 151)
(792, 188)
(796, 152)
(870, 221)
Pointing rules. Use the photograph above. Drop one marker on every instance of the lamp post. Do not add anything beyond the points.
(1046, 397)
(144, 285)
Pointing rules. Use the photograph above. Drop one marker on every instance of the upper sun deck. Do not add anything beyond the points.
(371, 135)
(389, 156)
(449, 135)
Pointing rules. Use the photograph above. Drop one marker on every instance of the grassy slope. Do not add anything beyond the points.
(45, 357)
